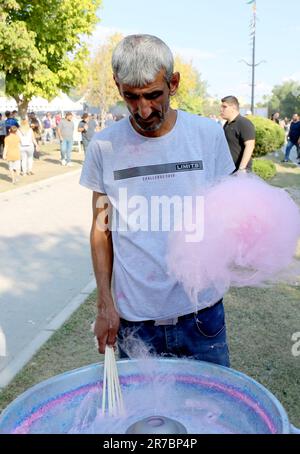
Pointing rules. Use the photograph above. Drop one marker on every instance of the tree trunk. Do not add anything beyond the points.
(22, 106)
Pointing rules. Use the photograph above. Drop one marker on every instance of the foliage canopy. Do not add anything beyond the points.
(42, 49)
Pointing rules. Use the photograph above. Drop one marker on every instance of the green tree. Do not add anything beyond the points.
(42, 50)
(285, 98)
(100, 89)
(211, 106)
(192, 90)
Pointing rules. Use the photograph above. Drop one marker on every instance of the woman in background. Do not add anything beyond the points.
(28, 142)
(12, 153)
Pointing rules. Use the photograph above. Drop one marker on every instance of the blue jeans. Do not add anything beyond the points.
(200, 336)
(289, 146)
(66, 149)
(85, 144)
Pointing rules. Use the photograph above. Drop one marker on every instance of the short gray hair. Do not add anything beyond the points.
(138, 59)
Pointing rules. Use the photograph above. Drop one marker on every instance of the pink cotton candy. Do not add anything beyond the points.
(250, 234)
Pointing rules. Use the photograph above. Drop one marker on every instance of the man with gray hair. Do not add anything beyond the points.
(157, 152)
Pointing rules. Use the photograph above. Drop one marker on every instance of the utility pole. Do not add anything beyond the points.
(253, 57)
(253, 65)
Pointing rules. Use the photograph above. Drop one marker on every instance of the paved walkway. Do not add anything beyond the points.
(45, 269)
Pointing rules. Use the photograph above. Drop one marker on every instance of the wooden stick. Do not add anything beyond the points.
(104, 387)
(111, 386)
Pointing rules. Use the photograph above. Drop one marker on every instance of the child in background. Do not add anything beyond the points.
(12, 153)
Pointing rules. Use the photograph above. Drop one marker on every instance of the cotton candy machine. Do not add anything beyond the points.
(160, 396)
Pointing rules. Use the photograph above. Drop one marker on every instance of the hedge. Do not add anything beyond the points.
(264, 169)
(269, 135)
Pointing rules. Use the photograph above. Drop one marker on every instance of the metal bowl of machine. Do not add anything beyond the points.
(160, 396)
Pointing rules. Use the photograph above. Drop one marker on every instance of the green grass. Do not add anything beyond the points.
(70, 347)
(288, 174)
(286, 180)
(260, 324)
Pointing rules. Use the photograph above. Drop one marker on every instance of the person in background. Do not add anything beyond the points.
(16, 116)
(12, 153)
(47, 127)
(86, 127)
(36, 127)
(65, 132)
(53, 126)
(10, 121)
(77, 138)
(2, 135)
(239, 132)
(275, 117)
(287, 125)
(57, 119)
(28, 144)
(293, 139)
(94, 123)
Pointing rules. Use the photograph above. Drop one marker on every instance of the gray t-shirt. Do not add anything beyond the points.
(89, 129)
(66, 128)
(130, 167)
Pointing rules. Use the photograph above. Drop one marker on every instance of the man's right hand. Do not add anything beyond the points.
(106, 325)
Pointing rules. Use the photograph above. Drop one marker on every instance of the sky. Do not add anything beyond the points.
(215, 36)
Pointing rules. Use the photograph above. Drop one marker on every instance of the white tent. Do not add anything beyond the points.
(7, 104)
(63, 103)
(60, 103)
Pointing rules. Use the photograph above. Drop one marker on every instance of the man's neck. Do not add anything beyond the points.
(231, 119)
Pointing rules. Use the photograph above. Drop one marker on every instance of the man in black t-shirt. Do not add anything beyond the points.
(239, 132)
(87, 128)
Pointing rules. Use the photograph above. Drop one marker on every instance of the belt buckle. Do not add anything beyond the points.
(167, 321)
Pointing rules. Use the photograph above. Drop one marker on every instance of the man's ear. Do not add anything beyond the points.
(174, 83)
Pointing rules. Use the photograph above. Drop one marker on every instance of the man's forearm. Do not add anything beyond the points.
(107, 320)
(102, 256)
(247, 155)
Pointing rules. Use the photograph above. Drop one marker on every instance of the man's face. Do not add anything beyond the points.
(150, 104)
(227, 111)
(295, 117)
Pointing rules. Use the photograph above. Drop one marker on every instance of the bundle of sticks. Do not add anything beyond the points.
(112, 399)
